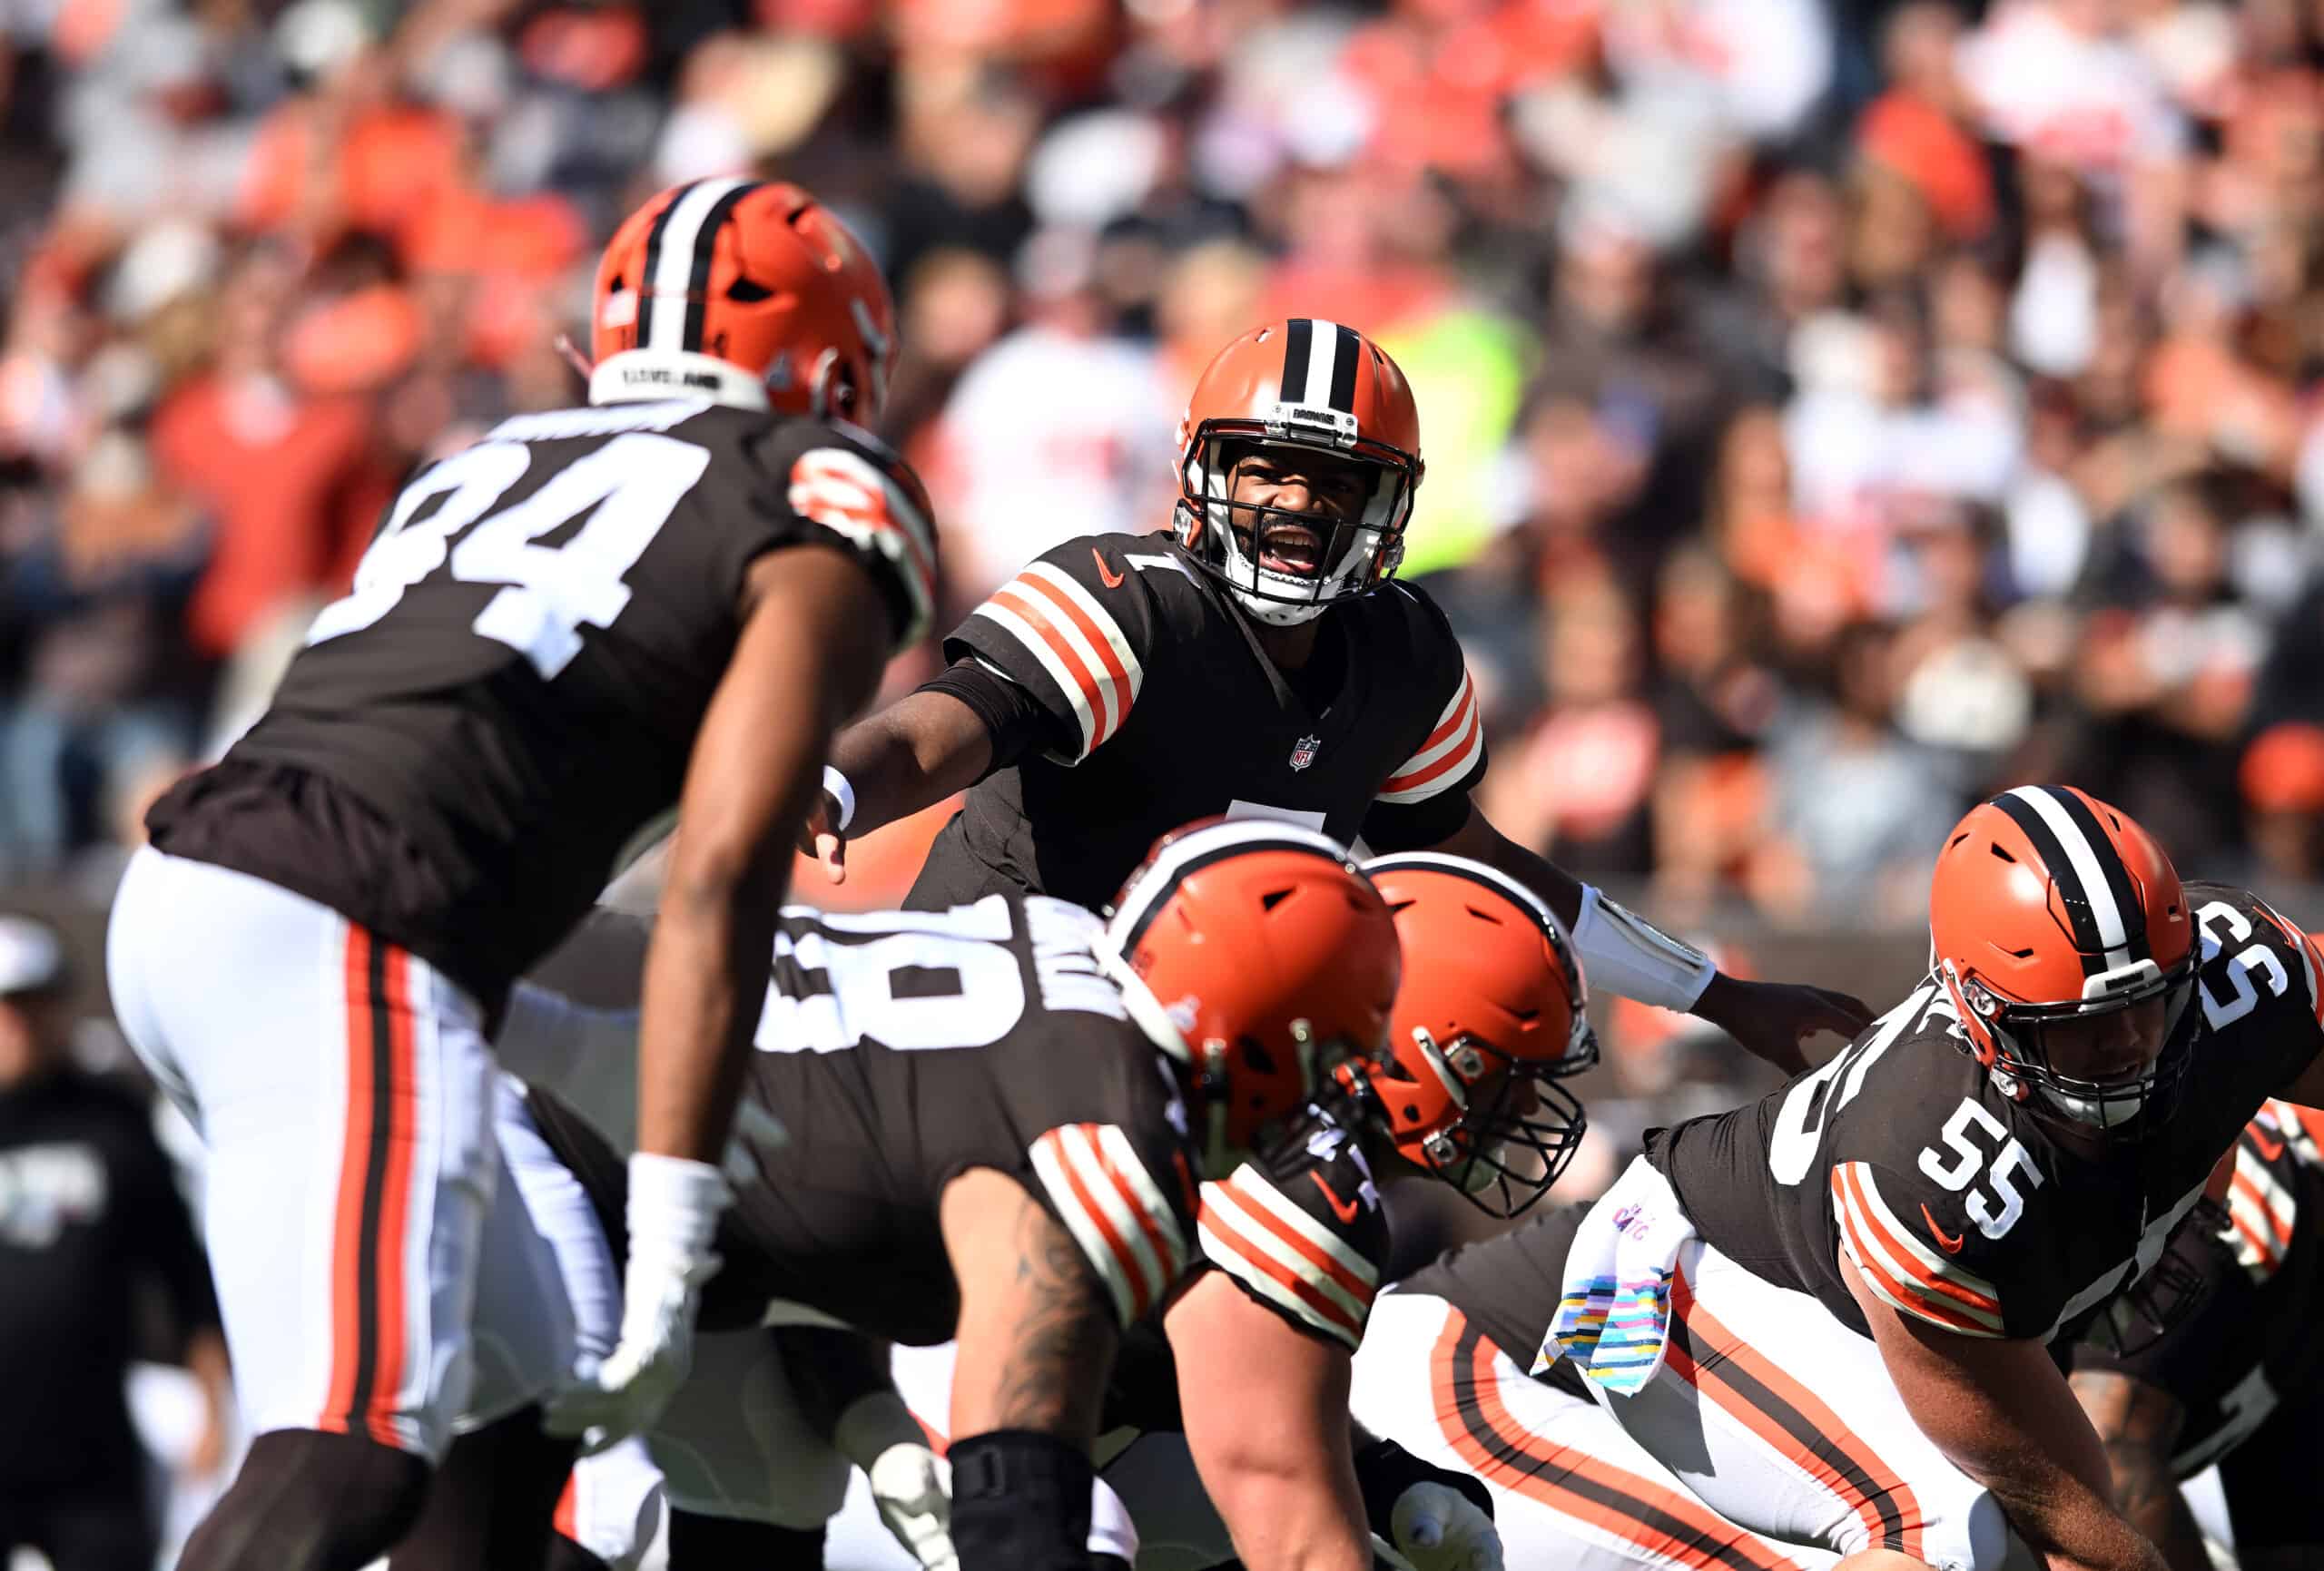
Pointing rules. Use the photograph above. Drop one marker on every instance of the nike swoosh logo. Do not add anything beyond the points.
(1112, 579)
(1345, 1210)
(2268, 1149)
(1950, 1244)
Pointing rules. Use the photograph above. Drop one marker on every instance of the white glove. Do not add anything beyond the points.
(912, 1486)
(674, 1208)
(1438, 1529)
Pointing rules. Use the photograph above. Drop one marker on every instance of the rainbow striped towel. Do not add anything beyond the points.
(1612, 1330)
(1613, 1319)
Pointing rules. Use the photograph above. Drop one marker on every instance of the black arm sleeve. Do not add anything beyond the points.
(1416, 826)
(1012, 716)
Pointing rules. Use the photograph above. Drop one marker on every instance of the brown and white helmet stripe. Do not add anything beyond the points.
(679, 249)
(1319, 362)
(1149, 889)
(2101, 904)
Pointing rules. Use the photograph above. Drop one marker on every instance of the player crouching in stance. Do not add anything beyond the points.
(1829, 1312)
(1292, 1239)
(2213, 1360)
(677, 592)
(1488, 1019)
(987, 1125)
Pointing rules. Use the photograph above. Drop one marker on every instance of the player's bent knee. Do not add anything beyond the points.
(308, 1501)
(1020, 1502)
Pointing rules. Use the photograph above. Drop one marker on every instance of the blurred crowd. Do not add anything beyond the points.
(1832, 407)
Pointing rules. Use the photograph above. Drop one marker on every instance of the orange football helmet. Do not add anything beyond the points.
(1259, 957)
(1490, 1017)
(747, 292)
(1303, 384)
(2049, 908)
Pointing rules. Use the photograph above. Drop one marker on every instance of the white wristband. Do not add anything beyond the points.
(674, 1205)
(836, 787)
(1622, 952)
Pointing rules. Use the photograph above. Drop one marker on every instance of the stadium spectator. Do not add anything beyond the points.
(1735, 323)
(90, 1221)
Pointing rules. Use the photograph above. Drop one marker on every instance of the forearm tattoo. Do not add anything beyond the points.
(1053, 1377)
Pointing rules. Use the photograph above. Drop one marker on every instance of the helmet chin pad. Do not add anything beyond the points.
(1276, 613)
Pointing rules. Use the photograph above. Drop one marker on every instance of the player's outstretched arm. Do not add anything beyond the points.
(1266, 1420)
(2138, 1423)
(2001, 1412)
(1623, 954)
(812, 649)
(814, 636)
(910, 755)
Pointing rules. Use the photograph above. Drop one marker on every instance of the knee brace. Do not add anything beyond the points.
(1020, 1502)
(309, 1501)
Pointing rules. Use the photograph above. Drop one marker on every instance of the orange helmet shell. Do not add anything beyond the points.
(1266, 957)
(747, 292)
(1491, 985)
(1305, 383)
(1312, 381)
(2046, 899)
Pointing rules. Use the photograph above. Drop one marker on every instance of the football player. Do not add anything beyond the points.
(1261, 660)
(674, 594)
(987, 1125)
(1443, 1372)
(1489, 1018)
(1829, 1312)
(2238, 1378)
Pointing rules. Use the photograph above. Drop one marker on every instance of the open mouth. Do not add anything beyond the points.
(1291, 548)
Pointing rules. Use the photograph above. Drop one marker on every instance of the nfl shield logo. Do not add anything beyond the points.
(1304, 752)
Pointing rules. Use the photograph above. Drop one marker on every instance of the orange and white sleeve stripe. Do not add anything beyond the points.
(2261, 1213)
(1115, 1211)
(845, 493)
(1908, 1274)
(1077, 641)
(2301, 1128)
(1445, 758)
(1284, 1256)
